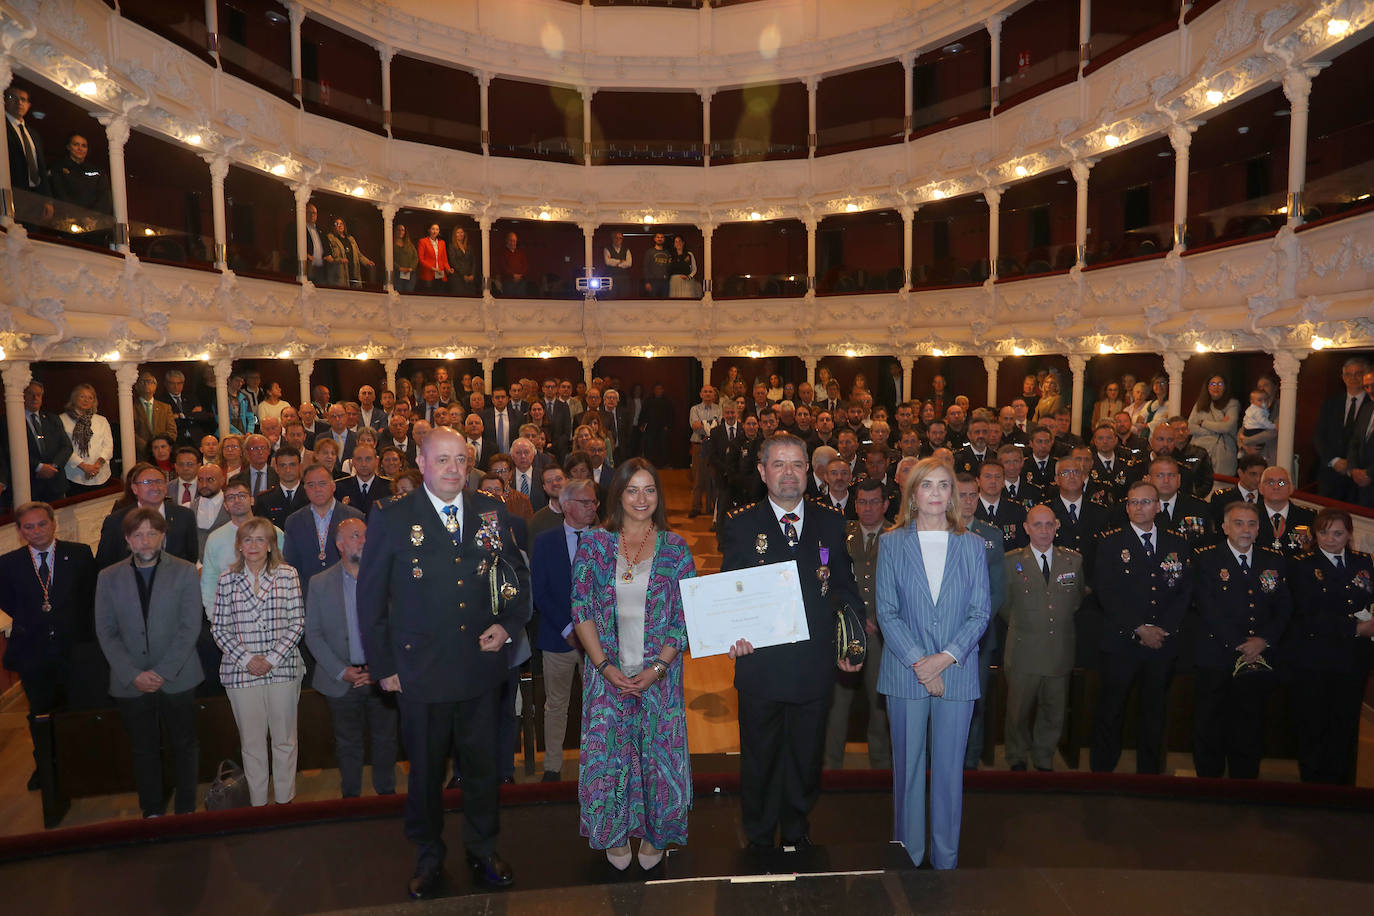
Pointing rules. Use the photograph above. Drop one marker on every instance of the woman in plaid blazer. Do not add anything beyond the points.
(258, 622)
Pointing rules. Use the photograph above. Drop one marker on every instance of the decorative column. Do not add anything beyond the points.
(219, 169)
(994, 26)
(297, 14)
(223, 368)
(386, 52)
(588, 363)
(587, 93)
(305, 366)
(488, 366)
(908, 219)
(17, 375)
(1080, 169)
(908, 65)
(484, 94)
(1173, 368)
(1286, 365)
(392, 367)
(212, 28)
(588, 252)
(908, 371)
(810, 256)
(706, 93)
(302, 192)
(1297, 86)
(706, 363)
(994, 198)
(707, 231)
(126, 376)
(388, 219)
(1085, 33)
(1077, 364)
(484, 223)
(812, 84)
(1180, 138)
(811, 363)
(116, 135)
(990, 363)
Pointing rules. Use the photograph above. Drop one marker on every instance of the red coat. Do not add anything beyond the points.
(430, 261)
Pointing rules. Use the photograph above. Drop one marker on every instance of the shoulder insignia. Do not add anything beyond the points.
(1205, 548)
(741, 510)
(1360, 553)
(1068, 550)
(1269, 550)
(1109, 532)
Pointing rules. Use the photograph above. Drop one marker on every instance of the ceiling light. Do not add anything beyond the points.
(1105, 348)
(2, 352)
(1164, 153)
(446, 207)
(936, 351)
(204, 357)
(1214, 96)
(279, 169)
(851, 353)
(1022, 171)
(851, 208)
(545, 215)
(359, 191)
(1201, 347)
(756, 216)
(194, 139)
(1337, 27)
(1283, 209)
(284, 354)
(88, 88)
(1363, 197)
(361, 355)
(754, 354)
(1320, 343)
(149, 231)
(74, 228)
(1243, 130)
(111, 357)
(450, 355)
(937, 194)
(544, 354)
(1018, 351)
(648, 219)
(648, 354)
(1112, 140)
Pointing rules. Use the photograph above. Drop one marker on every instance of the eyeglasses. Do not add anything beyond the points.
(1141, 503)
(258, 448)
(1279, 484)
(582, 502)
(151, 481)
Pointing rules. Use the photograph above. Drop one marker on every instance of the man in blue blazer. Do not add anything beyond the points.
(311, 531)
(355, 701)
(364, 487)
(785, 690)
(551, 582)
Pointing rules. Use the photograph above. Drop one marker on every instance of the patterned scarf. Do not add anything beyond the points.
(81, 432)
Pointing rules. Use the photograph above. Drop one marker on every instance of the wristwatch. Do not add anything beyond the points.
(660, 666)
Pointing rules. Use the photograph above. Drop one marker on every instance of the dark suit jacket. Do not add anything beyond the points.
(1233, 606)
(181, 539)
(326, 631)
(802, 671)
(966, 462)
(513, 420)
(1140, 589)
(350, 443)
(551, 584)
(1009, 519)
(1321, 633)
(273, 505)
(619, 428)
(301, 549)
(1331, 440)
(1092, 521)
(410, 448)
(349, 492)
(422, 604)
(1220, 500)
(1027, 494)
(1045, 479)
(39, 640)
(19, 164)
(54, 448)
(194, 420)
(245, 476)
(1288, 541)
(163, 425)
(560, 424)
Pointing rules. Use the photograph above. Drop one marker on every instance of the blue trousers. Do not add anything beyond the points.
(947, 721)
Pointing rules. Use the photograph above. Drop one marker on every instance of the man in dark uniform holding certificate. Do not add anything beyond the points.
(784, 690)
(434, 631)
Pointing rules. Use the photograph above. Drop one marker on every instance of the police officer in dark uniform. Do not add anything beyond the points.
(1283, 525)
(1040, 458)
(435, 634)
(1014, 484)
(1194, 459)
(1110, 464)
(970, 458)
(1243, 603)
(1006, 515)
(1146, 571)
(1080, 522)
(785, 690)
(1178, 511)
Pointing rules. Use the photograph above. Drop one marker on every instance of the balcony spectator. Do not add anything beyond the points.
(92, 442)
(434, 267)
(50, 450)
(315, 248)
(618, 261)
(656, 262)
(272, 406)
(1258, 433)
(682, 272)
(151, 416)
(1214, 422)
(193, 419)
(464, 263)
(405, 260)
(83, 187)
(1110, 404)
(28, 165)
(514, 267)
(345, 259)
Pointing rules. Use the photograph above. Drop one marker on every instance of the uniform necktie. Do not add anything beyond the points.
(1149, 548)
(1244, 565)
(1042, 467)
(789, 528)
(33, 424)
(1250, 498)
(1073, 513)
(30, 155)
(290, 494)
(451, 523)
(257, 483)
(1277, 522)
(525, 485)
(1045, 568)
(1011, 491)
(1350, 412)
(1108, 466)
(45, 572)
(362, 489)
(185, 494)
(868, 546)
(1340, 561)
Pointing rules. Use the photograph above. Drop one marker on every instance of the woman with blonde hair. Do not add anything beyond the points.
(258, 622)
(92, 441)
(932, 608)
(1049, 399)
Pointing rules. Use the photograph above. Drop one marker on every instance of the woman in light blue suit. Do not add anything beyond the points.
(932, 608)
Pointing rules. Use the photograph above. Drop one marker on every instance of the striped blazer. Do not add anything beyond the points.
(914, 627)
(245, 625)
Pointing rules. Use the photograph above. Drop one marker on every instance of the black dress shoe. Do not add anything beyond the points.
(491, 870)
(425, 883)
(1018, 768)
(751, 845)
(801, 842)
(33, 782)
(552, 776)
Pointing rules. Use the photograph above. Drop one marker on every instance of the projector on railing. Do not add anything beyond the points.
(594, 284)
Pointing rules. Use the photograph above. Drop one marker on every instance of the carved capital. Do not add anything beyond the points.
(16, 374)
(386, 52)
(223, 368)
(990, 363)
(1173, 366)
(296, 12)
(993, 196)
(706, 92)
(219, 168)
(1080, 169)
(994, 25)
(908, 362)
(6, 73)
(811, 363)
(116, 129)
(392, 366)
(1181, 135)
(305, 367)
(1297, 85)
(1077, 363)
(302, 192)
(126, 375)
(483, 78)
(1286, 365)
(388, 212)
(908, 213)
(812, 82)
(488, 364)
(587, 93)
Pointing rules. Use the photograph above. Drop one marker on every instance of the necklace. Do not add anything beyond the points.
(629, 574)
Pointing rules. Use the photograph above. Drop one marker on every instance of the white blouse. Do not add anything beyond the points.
(934, 546)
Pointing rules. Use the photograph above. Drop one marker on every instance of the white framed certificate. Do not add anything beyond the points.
(762, 604)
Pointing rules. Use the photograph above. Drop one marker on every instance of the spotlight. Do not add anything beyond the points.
(450, 355)
(648, 219)
(1214, 97)
(1021, 171)
(446, 207)
(544, 354)
(756, 216)
(1018, 351)
(851, 208)
(1113, 140)
(360, 356)
(359, 191)
(1320, 343)
(648, 354)
(754, 354)
(279, 169)
(1201, 347)
(936, 351)
(88, 88)
(545, 215)
(284, 354)
(194, 139)
(1337, 27)
(937, 194)
(1105, 349)
(851, 353)
(204, 357)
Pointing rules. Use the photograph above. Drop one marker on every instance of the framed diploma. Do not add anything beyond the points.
(762, 604)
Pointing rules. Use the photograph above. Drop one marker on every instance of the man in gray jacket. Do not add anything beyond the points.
(355, 701)
(147, 618)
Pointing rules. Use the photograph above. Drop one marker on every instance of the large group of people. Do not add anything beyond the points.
(332, 541)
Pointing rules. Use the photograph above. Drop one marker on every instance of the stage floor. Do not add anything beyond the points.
(1034, 850)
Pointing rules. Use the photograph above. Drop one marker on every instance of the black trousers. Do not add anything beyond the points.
(507, 733)
(45, 690)
(1327, 704)
(1228, 722)
(1120, 672)
(360, 710)
(782, 746)
(149, 718)
(427, 730)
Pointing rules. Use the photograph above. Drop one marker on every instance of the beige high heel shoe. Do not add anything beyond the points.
(650, 859)
(619, 857)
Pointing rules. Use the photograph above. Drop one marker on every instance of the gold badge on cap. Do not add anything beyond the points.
(417, 535)
(761, 544)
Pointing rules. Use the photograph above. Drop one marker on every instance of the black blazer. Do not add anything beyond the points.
(39, 640)
(560, 425)
(423, 603)
(1331, 440)
(802, 671)
(1321, 633)
(349, 492)
(245, 477)
(19, 163)
(1220, 500)
(1092, 521)
(1045, 479)
(410, 448)
(1288, 542)
(273, 505)
(1140, 589)
(1027, 494)
(193, 417)
(1233, 606)
(1010, 520)
(1197, 532)
(617, 423)
(350, 442)
(181, 539)
(53, 447)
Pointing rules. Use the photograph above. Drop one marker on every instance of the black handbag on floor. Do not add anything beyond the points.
(229, 788)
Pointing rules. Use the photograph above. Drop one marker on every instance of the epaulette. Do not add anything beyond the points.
(1205, 548)
(1104, 534)
(1069, 550)
(1269, 550)
(733, 512)
(1305, 554)
(822, 504)
(1360, 553)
